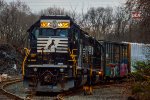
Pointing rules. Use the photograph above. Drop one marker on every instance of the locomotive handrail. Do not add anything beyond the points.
(74, 60)
(27, 52)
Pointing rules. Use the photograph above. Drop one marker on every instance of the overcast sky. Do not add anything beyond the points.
(77, 5)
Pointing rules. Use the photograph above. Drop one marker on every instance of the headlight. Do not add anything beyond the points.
(35, 69)
(61, 70)
(100, 73)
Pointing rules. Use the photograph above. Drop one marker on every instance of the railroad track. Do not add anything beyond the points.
(109, 91)
(75, 94)
(55, 96)
(6, 95)
(78, 93)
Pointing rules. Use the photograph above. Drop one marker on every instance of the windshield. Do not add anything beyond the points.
(47, 32)
(54, 32)
(62, 32)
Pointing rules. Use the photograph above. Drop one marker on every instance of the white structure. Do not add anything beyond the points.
(138, 52)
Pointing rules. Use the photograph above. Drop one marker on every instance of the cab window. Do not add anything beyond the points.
(47, 32)
(62, 32)
(35, 33)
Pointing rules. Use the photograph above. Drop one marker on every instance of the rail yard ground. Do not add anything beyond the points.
(110, 91)
(105, 92)
(7, 95)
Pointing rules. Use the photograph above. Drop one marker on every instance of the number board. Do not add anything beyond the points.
(55, 24)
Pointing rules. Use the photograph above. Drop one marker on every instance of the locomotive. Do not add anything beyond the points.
(61, 56)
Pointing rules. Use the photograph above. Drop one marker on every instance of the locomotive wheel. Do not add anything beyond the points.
(78, 81)
(93, 78)
(107, 79)
(33, 81)
(101, 78)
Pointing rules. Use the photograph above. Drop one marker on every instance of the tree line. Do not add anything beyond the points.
(102, 23)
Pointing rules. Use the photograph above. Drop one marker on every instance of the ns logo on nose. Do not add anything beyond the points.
(51, 44)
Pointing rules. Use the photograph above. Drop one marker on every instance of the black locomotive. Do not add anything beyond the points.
(62, 56)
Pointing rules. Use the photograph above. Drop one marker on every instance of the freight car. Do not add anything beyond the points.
(116, 60)
(61, 56)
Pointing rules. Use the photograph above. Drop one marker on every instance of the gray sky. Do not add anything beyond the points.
(77, 5)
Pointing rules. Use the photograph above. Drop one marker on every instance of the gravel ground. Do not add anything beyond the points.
(2, 94)
(113, 92)
(17, 89)
(3, 97)
(102, 92)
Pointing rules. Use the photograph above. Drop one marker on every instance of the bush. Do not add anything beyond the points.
(136, 88)
(141, 88)
(142, 70)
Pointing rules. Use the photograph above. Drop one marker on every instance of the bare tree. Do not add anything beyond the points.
(2, 7)
(142, 25)
(53, 11)
(121, 21)
(59, 11)
(98, 21)
(15, 19)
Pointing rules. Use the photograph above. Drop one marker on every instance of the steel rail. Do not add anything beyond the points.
(7, 93)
